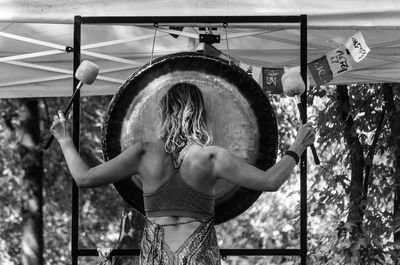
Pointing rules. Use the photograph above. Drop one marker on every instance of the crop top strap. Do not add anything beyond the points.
(176, 160)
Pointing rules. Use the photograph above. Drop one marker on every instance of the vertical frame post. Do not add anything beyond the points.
(303, 163)
(75, 136)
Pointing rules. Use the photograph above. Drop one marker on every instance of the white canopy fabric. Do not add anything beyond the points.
(34, 35)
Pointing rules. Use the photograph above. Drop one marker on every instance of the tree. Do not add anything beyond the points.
(356, 150)
(394, 123)
(100, 208)
(27, 135)
(332, 187)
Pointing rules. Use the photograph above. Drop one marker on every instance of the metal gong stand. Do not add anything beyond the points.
(76, 252)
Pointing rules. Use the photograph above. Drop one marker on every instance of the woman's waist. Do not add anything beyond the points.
(174, 220)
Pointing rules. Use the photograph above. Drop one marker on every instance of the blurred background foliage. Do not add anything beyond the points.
(271, 222)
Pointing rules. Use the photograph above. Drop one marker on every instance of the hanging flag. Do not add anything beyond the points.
(271, 80)
(175, 28)
(338, 61)
(208, 49)
(320, 71)
(253, 71)
(357, 47)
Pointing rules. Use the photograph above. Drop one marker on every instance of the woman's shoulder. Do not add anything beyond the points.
(219, 156)
(209, 152)
(151, 145)
(213, 150)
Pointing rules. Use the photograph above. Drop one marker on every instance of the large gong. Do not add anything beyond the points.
(240, 118)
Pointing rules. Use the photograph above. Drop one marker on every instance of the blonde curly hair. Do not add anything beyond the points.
(183, 118)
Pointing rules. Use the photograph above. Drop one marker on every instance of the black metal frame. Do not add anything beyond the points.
(302, 20)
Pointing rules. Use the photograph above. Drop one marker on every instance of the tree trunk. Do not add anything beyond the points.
(394, 120)
(28, 135)
(355, 215)
(132, 225)
(368, 179)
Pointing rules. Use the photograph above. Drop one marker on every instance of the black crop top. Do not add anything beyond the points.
(176, 198)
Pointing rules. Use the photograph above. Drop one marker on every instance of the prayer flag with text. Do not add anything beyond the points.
(338, 61)
(271, 80)
(357, 47)
(320, 71)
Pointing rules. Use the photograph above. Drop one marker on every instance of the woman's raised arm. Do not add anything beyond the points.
(234, 169)
(121, 167)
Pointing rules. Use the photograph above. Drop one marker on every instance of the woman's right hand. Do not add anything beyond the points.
(59, 127)
(305, 137)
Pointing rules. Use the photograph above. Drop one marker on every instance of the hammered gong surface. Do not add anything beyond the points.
(240, 118)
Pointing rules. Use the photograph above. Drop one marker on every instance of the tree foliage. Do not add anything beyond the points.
(330, 199)
(271, 222)
(100, 209)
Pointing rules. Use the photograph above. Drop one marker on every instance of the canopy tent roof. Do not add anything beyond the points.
(35, 34)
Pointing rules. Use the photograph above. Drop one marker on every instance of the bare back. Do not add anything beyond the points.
(196, 168)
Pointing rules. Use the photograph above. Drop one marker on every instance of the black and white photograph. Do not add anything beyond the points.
(189, 132)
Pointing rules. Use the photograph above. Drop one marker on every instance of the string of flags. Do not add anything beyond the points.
(333, 63)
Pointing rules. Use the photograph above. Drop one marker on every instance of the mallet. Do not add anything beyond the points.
(293, 86)
(86, 73)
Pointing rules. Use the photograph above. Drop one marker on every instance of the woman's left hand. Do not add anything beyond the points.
(59, 127)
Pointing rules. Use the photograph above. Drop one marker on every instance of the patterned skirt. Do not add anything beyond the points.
(200, 248)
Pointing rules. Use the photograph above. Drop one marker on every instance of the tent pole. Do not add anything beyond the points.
(112, 58)
(75, 135)
(34, 41)
(120, 41)
(303, 164)
(29, 55)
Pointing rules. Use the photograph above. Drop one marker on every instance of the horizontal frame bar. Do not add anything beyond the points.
(191, 19)
(224, 252)
(260, 252)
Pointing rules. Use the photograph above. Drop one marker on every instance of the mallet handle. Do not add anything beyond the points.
(304, 120)
(50, 137)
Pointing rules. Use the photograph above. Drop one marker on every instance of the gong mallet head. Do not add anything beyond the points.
(86, 73)
(293, 86)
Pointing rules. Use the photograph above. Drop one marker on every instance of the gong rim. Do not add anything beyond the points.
(238, 199)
